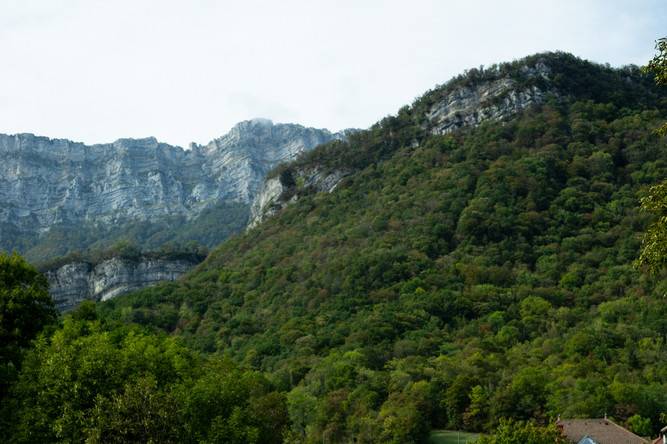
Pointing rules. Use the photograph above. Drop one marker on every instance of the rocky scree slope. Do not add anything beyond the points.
(48, 183)
(496, 93)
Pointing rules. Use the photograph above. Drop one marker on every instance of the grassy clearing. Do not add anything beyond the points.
(451, 437)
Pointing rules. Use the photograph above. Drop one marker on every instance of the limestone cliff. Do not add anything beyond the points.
(277, 192)
(74, 282)
(55, 182)
(496, 99)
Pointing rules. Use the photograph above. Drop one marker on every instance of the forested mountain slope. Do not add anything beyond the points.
(496, 93)
(452, 278)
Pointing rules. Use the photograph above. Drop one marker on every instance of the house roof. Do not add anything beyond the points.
(603, 431)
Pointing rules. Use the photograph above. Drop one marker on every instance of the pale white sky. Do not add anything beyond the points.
(183, 71)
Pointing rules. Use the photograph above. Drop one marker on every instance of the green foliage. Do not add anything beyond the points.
(654, 248)
(230, 405)
(658, 64)
(476, 276)
(66, 376)
(640, 426)
(519, 432)
(25, 309)
(658, 67)
(140, 413)
(109, 383)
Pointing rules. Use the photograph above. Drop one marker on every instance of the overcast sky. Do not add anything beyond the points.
(183, 71)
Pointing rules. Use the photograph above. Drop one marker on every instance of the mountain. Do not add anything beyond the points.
(441, 267)
(468, 259)
(59, 196)
(496, 93)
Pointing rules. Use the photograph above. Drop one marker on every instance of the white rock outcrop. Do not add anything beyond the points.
(275, 196)
(78, 281)
(492, 100)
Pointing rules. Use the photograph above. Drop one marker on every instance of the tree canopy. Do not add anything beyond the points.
(25, 309)
(654, 250)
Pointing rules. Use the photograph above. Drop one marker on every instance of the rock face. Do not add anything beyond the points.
(268, 202)
(275, 195)
(44, 182)
(239, 161)
(78, 281)
(491, 100)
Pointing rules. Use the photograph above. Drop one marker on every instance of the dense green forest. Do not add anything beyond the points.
(451, 282)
